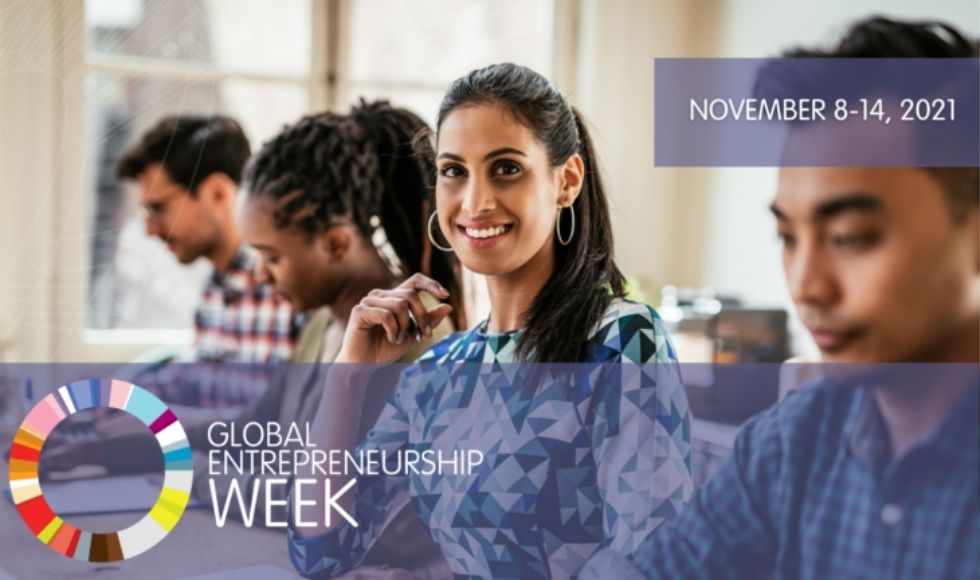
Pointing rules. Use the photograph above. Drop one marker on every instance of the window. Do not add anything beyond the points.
(250, 59)
(382, 56)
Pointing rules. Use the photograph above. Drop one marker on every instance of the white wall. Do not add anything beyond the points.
(29, 145)
(614, 90)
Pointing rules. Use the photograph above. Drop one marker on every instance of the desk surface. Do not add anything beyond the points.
(196, 546)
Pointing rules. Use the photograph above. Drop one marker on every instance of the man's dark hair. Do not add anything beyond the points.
(190, 148)
(881, 37)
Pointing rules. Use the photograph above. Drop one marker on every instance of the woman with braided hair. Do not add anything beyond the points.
(336, 206)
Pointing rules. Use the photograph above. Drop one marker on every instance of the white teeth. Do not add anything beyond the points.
(485, 232)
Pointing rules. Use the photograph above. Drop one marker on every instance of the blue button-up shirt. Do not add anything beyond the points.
(811, 491)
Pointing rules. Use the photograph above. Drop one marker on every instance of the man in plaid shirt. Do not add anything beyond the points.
(874, 471)
(188, 169)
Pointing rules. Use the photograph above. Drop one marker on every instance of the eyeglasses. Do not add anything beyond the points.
(155, 209)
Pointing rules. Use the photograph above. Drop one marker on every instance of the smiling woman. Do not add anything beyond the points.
(514, 157)
(519, 200)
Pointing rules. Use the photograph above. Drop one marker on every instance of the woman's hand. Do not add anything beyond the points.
(387, 323)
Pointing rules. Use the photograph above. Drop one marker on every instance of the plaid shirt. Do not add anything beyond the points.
(239, 320)
(812, 492)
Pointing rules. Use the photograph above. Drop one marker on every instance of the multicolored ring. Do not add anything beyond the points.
(54, 531)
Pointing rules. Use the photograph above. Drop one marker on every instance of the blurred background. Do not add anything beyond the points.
(79, 80)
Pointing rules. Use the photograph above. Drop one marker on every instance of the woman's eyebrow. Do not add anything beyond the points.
(488, 156)
(503, 151)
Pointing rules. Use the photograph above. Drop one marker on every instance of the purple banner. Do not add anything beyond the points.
(113, 469)
(816, 112)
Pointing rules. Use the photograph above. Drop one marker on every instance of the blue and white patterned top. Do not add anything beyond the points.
(570, 466)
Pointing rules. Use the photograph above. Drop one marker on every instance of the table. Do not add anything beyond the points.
(196, 546)
(711, 444)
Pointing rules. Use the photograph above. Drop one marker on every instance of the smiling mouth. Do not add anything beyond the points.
(487, 233)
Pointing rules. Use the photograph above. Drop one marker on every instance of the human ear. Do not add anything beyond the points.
(217, 188)
(336, 242)
(571, 179)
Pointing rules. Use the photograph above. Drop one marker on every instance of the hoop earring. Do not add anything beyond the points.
(571, 233)
(432, 238)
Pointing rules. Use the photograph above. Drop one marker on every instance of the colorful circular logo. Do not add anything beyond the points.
(25, 486)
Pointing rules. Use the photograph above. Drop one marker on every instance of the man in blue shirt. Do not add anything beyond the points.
(878, 479)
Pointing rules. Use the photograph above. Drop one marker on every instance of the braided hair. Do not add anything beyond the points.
(328, 167)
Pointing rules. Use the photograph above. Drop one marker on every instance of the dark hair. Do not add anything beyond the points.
(190, 148)
(585, 278)
(880, 37)
(329, 166)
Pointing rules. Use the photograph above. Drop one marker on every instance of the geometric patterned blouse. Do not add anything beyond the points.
(592, 455)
